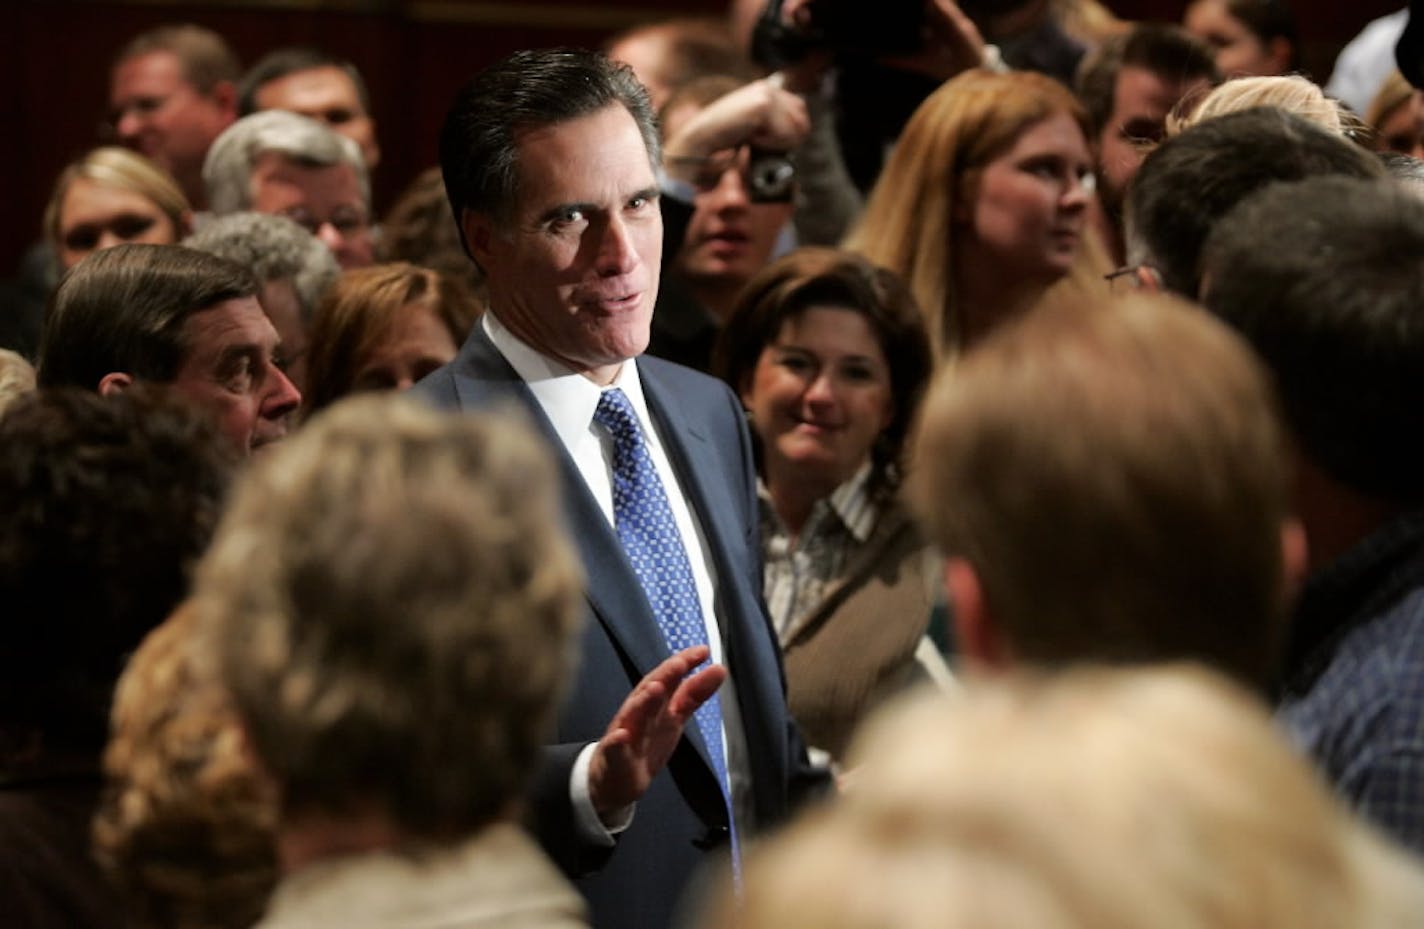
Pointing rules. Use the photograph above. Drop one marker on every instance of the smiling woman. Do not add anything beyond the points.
(829, 356)
(111, 196)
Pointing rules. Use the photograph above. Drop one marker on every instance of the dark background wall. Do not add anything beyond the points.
(55, 56)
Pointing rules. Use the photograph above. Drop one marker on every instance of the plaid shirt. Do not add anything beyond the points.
(1354, 692)
(796, 572)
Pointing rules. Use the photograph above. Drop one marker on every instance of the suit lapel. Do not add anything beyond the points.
(686, 440)
(485, 380)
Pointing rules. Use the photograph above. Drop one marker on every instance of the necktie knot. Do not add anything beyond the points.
(615, 413)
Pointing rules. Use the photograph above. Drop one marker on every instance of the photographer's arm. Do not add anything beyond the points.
(761, 114)
(953, 44)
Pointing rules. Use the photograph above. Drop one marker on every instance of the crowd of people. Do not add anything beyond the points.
(720, 496)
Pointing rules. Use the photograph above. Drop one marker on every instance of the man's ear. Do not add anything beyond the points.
(224, 94)
(1279, 51)
(115, 382)
(975, 635)
(1295, 559)
(479, 234)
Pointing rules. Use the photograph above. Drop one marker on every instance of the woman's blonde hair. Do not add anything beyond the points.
(187, 825)
(934, 169)
(111, 166)
(1289, 92)
(1095, 799)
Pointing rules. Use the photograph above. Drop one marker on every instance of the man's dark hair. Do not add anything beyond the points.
(1167, 51)
(284, 61)
(1325, 277)
(107, 502)
(526, 91)
(1195, 178)
(123, 309)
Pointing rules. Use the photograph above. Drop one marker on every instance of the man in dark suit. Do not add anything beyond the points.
(550, 160)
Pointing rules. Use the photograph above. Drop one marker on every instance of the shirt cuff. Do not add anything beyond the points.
(591, 826)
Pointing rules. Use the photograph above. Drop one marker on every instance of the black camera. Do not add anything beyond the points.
(771, 177)
(848, 28)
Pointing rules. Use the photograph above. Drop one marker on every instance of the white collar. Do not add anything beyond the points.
(566, 397)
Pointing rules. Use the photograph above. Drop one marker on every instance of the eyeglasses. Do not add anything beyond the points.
(1133, 278)
(347, 222)
(705, 172)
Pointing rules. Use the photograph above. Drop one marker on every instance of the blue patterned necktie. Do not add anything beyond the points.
(651, 541)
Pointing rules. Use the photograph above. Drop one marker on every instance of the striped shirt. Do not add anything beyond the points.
(798, 571)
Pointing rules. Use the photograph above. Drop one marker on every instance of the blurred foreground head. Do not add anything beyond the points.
(1094, 800)
(1107, 482)
(390, 603)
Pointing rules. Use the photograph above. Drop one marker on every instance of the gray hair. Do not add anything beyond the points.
(275, 249)
(407, 651)
(227, 171)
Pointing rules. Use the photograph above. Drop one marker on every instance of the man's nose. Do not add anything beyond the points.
(731, 191)
(283, 398)
(616, 254)
(128, 125)
(330, 236)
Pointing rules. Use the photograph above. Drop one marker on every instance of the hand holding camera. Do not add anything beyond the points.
(770, 120)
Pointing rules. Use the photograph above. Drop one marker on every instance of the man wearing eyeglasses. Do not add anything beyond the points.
(171, 92)
(288, 165)
(730, 187)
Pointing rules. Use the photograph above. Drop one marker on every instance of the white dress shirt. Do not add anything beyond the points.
(569, 400)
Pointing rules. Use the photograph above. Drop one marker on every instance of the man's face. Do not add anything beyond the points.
(327, 95)
(230, 369)
(157, 113)
(325, 201)
(1141, 101)
(574, 270)
(729, 238)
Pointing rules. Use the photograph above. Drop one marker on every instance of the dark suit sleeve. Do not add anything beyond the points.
(806, 783)
(551, 815)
